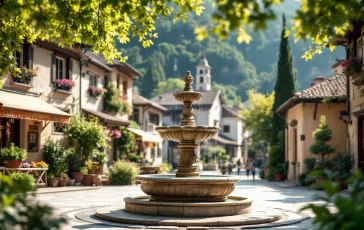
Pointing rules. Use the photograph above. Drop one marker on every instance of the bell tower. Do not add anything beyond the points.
(203, 77)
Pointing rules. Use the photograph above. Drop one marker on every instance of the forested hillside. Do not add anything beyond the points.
(236, 66)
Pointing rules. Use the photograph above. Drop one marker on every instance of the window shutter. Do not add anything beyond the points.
(31, 56)
(69, 69)
(54, 69)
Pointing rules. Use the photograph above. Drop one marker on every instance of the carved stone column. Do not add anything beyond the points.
(187, 166)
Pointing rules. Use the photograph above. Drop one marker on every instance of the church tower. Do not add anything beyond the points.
(203, 77)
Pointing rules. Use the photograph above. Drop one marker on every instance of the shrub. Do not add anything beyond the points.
(20, 212)
(165, 168)
(350, 208)
(324, 164)
(126, 143)
(322, 135)
(123, 173)
(132, 157)
(101, 157)
(276, 157)
(261, 174)
(345, 163)
(310, 163)
(13, 153)
(219, 152)
(305, 179)
(23, 180)
(56, 156)
(87, 134)
(113, 103)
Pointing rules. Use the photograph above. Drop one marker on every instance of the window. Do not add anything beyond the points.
(125, 88)
(106, 81)
(359, 48)
(201, 71)
(136, 115)
(216, 123)
(201, 79)
(60, 68)
(59, 127)
(118, 82)
(93, 80)
(19, 58)
(226, 128)
(154, 118)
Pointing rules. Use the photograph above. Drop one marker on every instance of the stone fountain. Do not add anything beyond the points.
(187, 194)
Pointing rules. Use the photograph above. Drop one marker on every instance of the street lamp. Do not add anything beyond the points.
(345, 117)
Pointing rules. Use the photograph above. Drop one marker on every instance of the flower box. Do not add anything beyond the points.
(95, 92)
(64, 85)
(352, 67)
(23, 76)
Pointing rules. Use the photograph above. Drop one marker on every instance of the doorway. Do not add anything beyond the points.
(361, 143)
(9, 132)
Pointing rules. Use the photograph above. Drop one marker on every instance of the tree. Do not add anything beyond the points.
(172, 84)
(153, 77)
(322, 135)
(285, 84)
(228, 92)
(258, 118)
(87, 134)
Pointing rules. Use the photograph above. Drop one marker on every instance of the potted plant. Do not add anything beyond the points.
(87, 179)
(352, 66)
(223, 169)
(13, 156)
(102, 159)
(322, 135)
(345, 163)
(93, 167)
(65, 84)
(280, 172)
(23, 75)
(56, 156)
(52, 181)
(63, 180)
(25, 165)
(32, 164)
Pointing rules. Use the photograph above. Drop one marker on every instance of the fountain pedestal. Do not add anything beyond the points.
(187, 166)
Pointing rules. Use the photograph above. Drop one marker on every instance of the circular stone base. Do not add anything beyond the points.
(256, 217)
(234, 205)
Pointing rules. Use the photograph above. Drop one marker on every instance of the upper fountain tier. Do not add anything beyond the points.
(187, 131)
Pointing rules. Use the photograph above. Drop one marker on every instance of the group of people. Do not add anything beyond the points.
(250, 167)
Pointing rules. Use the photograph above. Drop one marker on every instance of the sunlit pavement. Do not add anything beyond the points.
(264, 194)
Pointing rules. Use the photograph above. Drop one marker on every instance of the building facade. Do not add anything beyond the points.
(302, 113)
(148, 115)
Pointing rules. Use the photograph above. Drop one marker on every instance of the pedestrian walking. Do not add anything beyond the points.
(230, 167)
(238, 164)
(247, 167)
(253, 166)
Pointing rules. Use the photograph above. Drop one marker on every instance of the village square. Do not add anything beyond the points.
(181, 114)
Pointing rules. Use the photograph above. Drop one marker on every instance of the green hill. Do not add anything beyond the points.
(243, 66)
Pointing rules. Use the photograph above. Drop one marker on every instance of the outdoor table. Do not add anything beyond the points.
(40, 174)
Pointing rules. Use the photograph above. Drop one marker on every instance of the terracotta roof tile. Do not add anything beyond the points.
(140, 100)
(334, 86)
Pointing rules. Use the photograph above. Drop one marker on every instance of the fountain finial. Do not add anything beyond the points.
(188, 79)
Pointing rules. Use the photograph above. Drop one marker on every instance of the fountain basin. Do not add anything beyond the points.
(169, 188)
(187, 96)
(234, 205)
(187, 133)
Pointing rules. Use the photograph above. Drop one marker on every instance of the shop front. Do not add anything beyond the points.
(24, 121)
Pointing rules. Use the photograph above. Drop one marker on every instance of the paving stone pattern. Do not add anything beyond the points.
(263, 194)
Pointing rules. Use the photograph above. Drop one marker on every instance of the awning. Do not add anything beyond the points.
(224, 141)
(20, 106)
(109, 119)
(146, 137)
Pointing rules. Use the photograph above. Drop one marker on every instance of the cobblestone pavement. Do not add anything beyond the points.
(266, 194)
